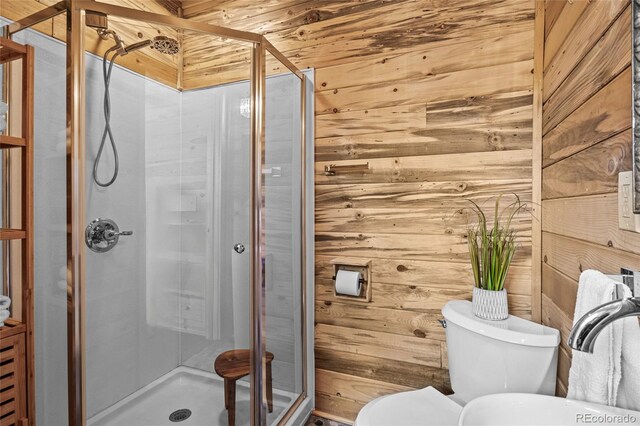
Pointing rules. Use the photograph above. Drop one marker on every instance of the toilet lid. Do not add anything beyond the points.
(423, 407)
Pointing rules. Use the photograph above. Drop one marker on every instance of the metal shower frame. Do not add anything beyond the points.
(76, 219)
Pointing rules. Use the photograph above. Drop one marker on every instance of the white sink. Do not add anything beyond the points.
(515, 409)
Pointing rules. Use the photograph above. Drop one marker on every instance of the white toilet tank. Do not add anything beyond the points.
(487, 357)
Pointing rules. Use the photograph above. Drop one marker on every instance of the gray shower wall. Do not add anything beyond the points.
(216, 140)
(124, 351)
(215, 180)
(126, 348)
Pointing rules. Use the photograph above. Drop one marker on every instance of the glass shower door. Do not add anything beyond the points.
(170, 289)
(168, 294)
(283, 241)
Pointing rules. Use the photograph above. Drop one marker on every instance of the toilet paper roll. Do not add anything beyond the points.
(348, 283)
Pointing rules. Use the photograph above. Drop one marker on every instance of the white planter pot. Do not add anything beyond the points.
(490, 305)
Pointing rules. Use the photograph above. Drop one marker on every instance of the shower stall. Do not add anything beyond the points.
(174, 216)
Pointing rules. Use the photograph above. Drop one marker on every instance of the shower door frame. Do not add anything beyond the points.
(76, 277)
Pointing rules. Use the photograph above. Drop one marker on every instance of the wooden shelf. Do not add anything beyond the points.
(10, 50)
(12, 327)
(17, 337)
(12, 234)
(11, 142)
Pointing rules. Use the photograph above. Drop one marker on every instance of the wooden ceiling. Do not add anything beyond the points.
(324, 33)
(311, 33)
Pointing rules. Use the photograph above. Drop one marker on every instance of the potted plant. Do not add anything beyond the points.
(491, 252)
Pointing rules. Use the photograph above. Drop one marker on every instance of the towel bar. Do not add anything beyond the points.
(332, 169)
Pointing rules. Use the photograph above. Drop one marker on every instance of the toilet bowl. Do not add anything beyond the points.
(484, 357)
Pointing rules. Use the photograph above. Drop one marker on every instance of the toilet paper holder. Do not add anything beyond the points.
(359, 265)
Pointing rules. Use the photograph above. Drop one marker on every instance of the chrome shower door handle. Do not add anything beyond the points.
(239, 248)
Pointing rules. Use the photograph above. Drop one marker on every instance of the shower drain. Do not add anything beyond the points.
(180, 415)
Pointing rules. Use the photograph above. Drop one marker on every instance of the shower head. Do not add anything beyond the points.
(136, 46)
(166, 45)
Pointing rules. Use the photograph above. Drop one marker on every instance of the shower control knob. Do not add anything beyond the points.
(110, 234)
(239, 248)
(102, 235)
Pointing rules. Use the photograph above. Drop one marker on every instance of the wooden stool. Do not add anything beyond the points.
(233, 365)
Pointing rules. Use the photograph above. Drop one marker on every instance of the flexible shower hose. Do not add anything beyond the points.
(106, 73)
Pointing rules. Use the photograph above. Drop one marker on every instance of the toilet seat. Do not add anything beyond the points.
(422, 407)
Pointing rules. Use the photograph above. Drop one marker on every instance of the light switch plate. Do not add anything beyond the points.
(627, 220)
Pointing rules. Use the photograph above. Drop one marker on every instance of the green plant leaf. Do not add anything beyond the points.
(491, 250)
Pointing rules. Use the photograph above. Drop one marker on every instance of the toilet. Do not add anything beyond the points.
(485, 357)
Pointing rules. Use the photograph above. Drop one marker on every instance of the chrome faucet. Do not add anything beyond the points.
(584, 333)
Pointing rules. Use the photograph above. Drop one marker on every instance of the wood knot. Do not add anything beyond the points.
(402, 268)
(313, 16)
(495, 141)
(419, 333)
(335, 110)
(609, 243)
(545, 258)
(335, 91)
(395, 89)
(327, 302)
(461, 187)
(580, 267)
(412, 287)
(324, 84)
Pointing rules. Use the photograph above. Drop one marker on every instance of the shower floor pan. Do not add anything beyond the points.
(185, 388)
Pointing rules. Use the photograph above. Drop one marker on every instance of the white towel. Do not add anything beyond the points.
(596, 377)
(629, 389)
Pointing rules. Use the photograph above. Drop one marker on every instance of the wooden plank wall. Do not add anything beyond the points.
(437, 98)
(586, 143)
